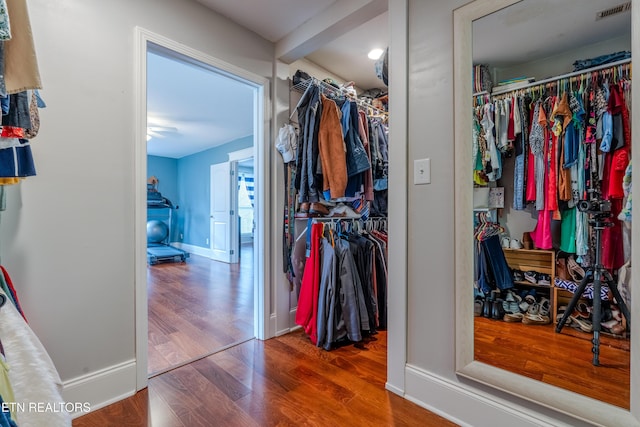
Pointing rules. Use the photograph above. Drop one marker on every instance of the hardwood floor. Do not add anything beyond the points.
(197, 308)
(284, 381)
(561, 359)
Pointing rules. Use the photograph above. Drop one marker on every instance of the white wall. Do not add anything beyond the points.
(562, 63)
(67, 235)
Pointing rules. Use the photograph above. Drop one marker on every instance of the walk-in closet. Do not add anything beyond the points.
(335, 155)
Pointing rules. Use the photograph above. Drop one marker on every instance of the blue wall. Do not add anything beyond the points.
(193, 185)
(186, 183)
(166, 170)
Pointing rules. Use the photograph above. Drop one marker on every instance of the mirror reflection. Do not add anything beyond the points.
(552, 177)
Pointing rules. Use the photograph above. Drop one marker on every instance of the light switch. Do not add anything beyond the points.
(422, 171)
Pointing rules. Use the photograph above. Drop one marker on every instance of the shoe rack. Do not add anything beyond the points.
(540, 261)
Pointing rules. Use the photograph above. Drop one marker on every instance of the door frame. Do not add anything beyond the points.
(144, 41)
(235, 157)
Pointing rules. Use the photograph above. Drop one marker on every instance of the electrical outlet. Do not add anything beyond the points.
(207, 241)
(181, 236)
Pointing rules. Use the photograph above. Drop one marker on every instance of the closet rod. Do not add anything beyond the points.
(565, 76)
(303, 85)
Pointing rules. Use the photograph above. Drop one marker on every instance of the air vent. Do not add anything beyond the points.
(625, 7)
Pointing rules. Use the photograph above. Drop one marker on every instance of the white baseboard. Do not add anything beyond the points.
(394, 389)
(192, 249)
(292, 315)
(99, 388)
(466, 407)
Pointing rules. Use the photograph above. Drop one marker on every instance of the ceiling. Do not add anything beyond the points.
(179, 93)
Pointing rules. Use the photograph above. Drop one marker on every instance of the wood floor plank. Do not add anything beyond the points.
(230, 386)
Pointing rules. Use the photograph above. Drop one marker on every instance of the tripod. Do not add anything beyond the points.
(599, 275)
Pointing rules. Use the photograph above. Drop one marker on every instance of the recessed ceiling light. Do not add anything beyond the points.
(375, 53)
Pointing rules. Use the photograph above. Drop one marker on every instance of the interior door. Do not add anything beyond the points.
(223, 217)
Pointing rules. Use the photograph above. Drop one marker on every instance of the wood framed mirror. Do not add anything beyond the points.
(575, 402)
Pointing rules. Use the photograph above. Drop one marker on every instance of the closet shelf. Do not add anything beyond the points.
(586, 71)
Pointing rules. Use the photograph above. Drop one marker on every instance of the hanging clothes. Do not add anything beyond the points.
(558, 160)
(306, 314)
(352, 279)
(32, 374)
(21, 71)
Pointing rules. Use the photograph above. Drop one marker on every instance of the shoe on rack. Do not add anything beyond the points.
(534, 309)
(513, 317)
(510, 304)
(616, 313)
(561, 311)
(515, 244)
(575, 271)
(617, 329)
(535, 319)
(544, 279)
(582, 323)
(477, 307)
(304, 207)
(518, 276)
(531, 276)
(544, 306)
(318, 209)
(582, 310)
(497, 312)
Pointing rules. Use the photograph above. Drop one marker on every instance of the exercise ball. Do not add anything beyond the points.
(157, 231)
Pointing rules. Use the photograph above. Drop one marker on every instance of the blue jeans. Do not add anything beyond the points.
(497, 262)
(18, 115)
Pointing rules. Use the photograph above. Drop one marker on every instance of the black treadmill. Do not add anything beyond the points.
(159, 211)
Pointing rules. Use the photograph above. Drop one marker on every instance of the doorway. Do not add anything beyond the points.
(247, 287)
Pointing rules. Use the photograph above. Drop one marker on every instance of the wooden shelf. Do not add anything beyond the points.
(541, 261)
(535, 285)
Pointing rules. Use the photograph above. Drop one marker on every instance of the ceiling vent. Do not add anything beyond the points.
(625, 7)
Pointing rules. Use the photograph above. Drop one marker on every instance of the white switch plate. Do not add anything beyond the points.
(422, 171)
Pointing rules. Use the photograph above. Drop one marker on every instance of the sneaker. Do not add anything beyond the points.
(518, 276)
(513, 317)
(531, 276)
(515, 244)
(535, 319)
(544, 279)
(544, 307)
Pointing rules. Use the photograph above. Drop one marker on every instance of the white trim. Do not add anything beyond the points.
(244, 154)
(262, 117)
(193, 249)
(140, 208)
(398, 212)
(262, 262)
(102, 387)
(393, 389)
(466, 407)
(543, 394)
